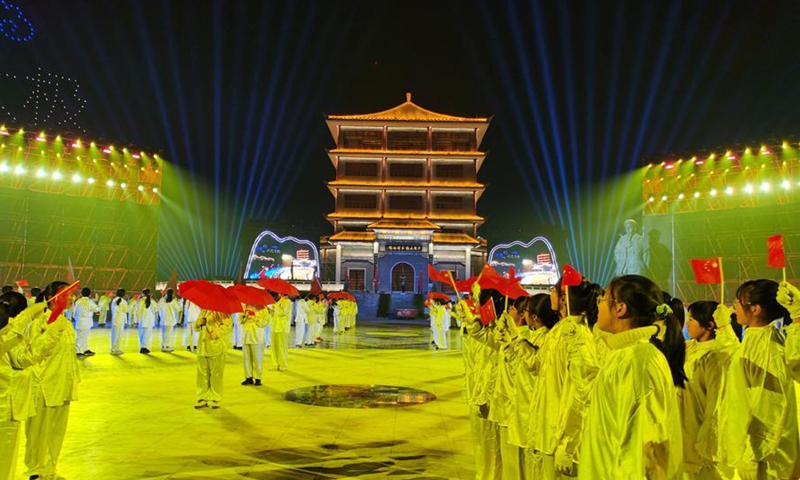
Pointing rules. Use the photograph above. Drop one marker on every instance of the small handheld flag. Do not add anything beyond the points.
(707, 270)
(776, 255)
(488, 313)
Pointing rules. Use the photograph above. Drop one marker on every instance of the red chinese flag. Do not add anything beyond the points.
(488, 272)
(776, 257)
(488, 313)
(706, 270)
(571, 277)
(59, 303)
(435, 276)
(22, 283)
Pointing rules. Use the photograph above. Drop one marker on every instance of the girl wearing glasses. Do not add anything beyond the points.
(633, 428)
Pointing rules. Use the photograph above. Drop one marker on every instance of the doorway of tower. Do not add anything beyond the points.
(403, 278)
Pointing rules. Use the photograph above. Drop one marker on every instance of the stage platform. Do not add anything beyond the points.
(135, 418)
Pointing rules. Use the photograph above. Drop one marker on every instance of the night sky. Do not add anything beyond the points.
(233, 94)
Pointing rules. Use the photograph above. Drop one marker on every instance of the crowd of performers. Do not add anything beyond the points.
(43, 336)
(601, 384)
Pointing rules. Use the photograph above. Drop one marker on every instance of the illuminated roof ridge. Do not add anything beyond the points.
(409, 112)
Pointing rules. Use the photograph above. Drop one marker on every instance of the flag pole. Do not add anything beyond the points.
(721, 282)
(453, 283)
(566, 289)
(784, 273)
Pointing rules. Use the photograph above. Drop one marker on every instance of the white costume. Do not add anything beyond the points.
(147, 320)
(103, 302)
(84, 311)
(58, 377)
(237, 330)
(119, 313)
(190, 335)
(170, 311)
(300, 322)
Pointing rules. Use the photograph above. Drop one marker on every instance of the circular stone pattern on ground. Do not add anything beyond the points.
(359, 396)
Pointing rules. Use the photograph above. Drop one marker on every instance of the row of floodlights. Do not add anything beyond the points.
(729, 155)
(748, 189)
(77, 143)
(76, 178)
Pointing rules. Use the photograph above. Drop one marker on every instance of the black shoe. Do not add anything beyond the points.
(80, 355)
(33, 477)
(188, 349)
(144, 351)
(248, 381)
(258, 382)
(89, 353)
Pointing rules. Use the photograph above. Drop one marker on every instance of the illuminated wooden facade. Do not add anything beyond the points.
(406, 193)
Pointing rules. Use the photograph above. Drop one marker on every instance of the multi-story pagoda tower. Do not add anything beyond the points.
(406, 194)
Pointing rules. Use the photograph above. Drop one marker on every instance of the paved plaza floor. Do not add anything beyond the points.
(135, 417)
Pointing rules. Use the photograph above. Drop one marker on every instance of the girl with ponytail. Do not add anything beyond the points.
(633, 428)
(569, 364)
(762, 433)
(148, 311)
(119, 316)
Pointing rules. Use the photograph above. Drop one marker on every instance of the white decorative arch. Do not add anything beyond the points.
(519, 243)
(268, 233)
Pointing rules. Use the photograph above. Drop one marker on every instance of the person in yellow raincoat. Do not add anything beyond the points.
(56, 377)
(253, 323)
(633, 428)
(212, 347)
(702, 401)
(480, 368)
(761, 431)
(568, 367)
(539, 319)
(438, 315)
(789, 297)
(280, 324)
(17, 355)
(502, 400)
